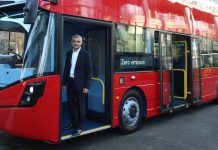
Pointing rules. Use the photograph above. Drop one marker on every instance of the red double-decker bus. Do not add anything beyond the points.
(149, 57)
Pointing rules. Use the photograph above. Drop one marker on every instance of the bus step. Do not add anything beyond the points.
(86, 132)
(167, 109)
(182, 106)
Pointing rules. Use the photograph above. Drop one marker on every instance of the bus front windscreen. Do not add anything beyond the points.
(38, 58)
(39, 55)
(12, 44)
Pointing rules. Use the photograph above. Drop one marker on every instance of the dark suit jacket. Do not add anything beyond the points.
(83, 70)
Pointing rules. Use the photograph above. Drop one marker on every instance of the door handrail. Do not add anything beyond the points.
(103, 88)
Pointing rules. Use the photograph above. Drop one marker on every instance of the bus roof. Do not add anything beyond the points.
(194, 17)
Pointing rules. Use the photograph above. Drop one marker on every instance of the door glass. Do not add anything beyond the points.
(166, 68)
(196, 67)
(166, 52)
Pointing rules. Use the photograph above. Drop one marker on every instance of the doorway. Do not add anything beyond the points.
(175, 70)
(97, 41)
(181, 69)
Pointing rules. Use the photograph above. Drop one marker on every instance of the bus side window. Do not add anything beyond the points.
(206, 53)
(215, 53)
(156, 51)
(130, 56)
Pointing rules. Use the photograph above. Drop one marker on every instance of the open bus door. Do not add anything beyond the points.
(173, 72)
(196, 71)
(165, 62)
(97, 40)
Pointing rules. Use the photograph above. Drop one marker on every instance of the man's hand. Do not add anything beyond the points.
(85, 90)
(63, 87)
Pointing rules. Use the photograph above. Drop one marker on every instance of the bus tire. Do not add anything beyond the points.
(130, 112)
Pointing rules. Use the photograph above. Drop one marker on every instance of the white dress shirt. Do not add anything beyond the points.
(73, 62)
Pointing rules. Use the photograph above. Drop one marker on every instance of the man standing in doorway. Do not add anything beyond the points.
(77, 76)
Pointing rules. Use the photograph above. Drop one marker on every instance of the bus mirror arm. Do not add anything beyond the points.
(26, 10)
(30, 11)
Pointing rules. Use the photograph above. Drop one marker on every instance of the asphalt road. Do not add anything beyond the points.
(193, 129)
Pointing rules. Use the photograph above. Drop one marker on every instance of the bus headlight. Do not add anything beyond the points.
(31, 90)
(32, 93)
(28, 99)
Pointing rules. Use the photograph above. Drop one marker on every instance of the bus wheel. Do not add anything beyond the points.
(131, 112)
